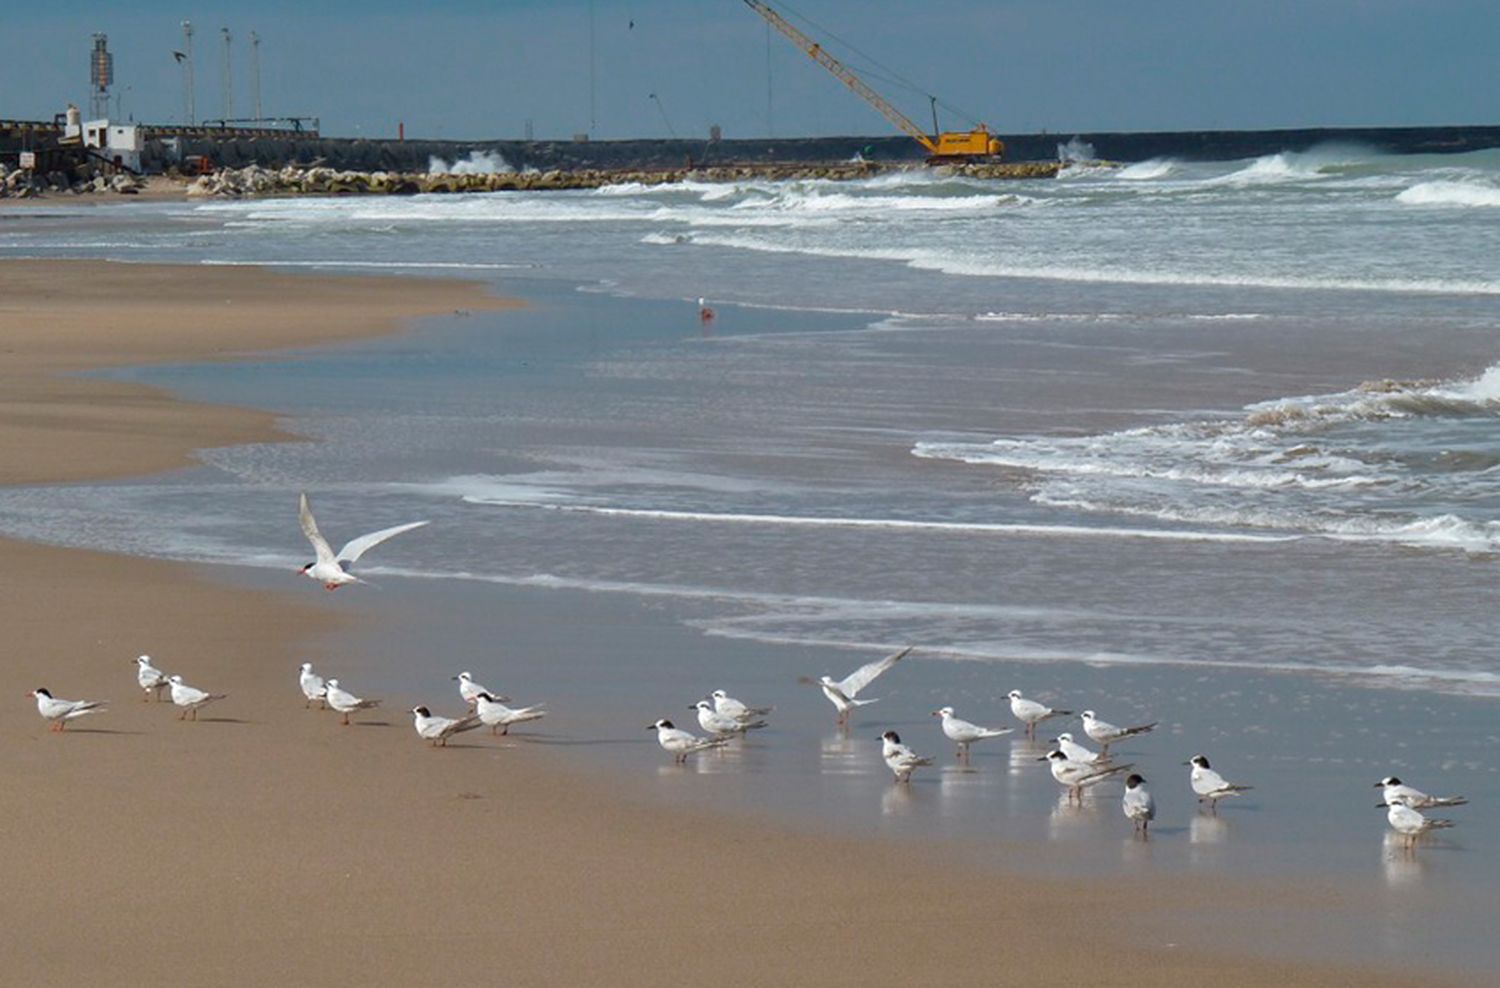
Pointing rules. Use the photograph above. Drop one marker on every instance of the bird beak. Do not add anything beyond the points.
(1381, 806)
(1379, 785)
(650, 727)
(1187, 763)
(1042, 759)
(937, 713)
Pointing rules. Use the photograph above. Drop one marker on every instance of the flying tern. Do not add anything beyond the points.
(190, 698)
(722, 725)
(1397, 791)
(1077, 752)
(730, 707)
(1031, 713)
(682, 743)
(1106, 734)
(842, 693)
(469, 689)
(152, 679)
(1410, 823)
(965, 733)
(345, 702)
(332, 569)
(60, 711)
(900, 759)
(1075, 776)
(1210, 785)
(439, 729)
(498, 717)
(1137, 803)
(313, 686)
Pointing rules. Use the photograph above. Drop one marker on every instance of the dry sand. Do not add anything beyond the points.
(265, 843)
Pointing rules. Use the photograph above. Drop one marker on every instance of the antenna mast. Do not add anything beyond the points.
(228, 78)
(255, 71)
(187, 67)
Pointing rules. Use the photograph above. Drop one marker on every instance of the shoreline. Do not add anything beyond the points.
(277, 844)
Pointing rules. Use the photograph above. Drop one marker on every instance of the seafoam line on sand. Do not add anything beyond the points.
(889, 524)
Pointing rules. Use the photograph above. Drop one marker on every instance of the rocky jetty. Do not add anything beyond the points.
(254, 180)
(24, 184)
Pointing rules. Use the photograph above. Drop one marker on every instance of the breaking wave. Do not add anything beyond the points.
(1449, 193)
(1405, 462)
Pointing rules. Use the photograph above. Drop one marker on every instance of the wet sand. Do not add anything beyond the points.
(267, 842)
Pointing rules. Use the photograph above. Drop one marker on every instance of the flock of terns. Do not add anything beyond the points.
(1075, 766)
(724, 718)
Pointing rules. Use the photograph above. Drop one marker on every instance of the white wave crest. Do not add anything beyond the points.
(1145, 171)
(1447, 193)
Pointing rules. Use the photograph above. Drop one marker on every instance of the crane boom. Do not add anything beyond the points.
(975, 143)
(815, 52)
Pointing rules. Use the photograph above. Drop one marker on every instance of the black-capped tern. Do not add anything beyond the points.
(900, 759)
(1210, 785)
(439, 729)
(680, 743)
(498, 717)
(1397, 791)
(60, 711)
(1076, 776)
(1138, 805)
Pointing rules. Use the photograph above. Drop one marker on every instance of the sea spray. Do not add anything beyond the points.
(477, 163)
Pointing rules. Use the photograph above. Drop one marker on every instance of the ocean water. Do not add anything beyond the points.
(1211, 444)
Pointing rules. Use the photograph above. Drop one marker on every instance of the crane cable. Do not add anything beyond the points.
(881, 72)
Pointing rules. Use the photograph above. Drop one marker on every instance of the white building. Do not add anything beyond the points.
(120, 143)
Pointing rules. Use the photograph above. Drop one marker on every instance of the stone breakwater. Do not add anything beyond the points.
(23, 184)
(254, 180)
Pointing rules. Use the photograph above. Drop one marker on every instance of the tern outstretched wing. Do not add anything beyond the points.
(310, 529)
(355, 548)
(866, 674)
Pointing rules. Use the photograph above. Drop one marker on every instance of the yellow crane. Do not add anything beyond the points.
(943, 146)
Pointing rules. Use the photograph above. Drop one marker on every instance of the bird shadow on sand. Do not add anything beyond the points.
(219, 720)
(75, 731)
(572, 742)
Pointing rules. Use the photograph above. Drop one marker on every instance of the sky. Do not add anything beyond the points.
(485, 70)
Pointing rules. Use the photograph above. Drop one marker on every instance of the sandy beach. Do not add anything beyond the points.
(265, 842)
